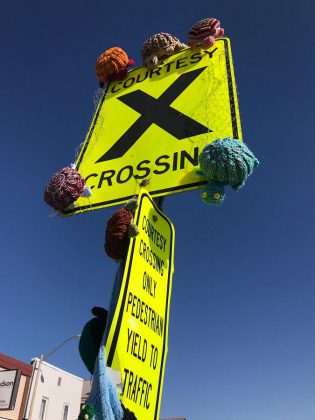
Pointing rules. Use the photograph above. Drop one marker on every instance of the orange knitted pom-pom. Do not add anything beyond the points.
(111, 61)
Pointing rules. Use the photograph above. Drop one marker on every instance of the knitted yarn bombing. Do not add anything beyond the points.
(112, 65)
(91, 338)
(87, 412)
(158, 47)
(225, 162)
(213, 193)
(116, 236)
(64, 188)
(204, 33)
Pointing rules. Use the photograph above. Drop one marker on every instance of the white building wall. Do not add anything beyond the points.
(68, 392)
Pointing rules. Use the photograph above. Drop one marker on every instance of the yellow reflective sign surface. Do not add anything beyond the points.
(154, 124)
(137, 340)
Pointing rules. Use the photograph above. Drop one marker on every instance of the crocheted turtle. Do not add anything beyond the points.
(119, 230)
(225, 162)
(112, 65)
(64, 188)
(91, 337)
(87, 413)
(160, 46)
(204, 33)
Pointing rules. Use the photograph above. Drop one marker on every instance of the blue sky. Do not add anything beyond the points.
(241, 338)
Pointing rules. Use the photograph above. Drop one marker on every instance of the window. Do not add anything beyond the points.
(59, 381)
(43, 408)
(65, 412)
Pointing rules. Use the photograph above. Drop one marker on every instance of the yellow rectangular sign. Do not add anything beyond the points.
(154, 124)
(137, 341)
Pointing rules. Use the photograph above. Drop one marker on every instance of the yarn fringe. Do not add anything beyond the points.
(103, 396)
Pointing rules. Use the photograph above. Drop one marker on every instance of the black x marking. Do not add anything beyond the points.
(159, 112)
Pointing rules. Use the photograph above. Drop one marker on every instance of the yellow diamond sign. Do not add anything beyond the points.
(151, 127)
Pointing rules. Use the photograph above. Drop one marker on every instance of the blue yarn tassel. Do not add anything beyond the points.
(103, 395)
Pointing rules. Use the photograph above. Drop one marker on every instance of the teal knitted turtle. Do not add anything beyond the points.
(225, 162)
(91, 337)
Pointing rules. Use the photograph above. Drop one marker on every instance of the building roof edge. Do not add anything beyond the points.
(10, 363)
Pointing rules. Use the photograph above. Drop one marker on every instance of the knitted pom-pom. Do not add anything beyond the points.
(227, 161)
(112, 64)
(158, 46)
(87, 412)
(121, 74)
(204, 33)
(64, 188)
(116, 237)
(213, 193)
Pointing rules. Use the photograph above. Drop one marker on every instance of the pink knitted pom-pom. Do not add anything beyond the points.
(205, 32)
(220, 32)
(64, 188)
